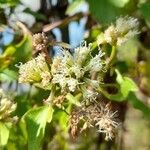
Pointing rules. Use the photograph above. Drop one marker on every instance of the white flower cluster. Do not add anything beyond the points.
(6, 107)
(118, 33)
(34, 71)
(70, 71)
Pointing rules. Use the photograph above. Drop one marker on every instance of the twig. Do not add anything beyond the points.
(63, 22)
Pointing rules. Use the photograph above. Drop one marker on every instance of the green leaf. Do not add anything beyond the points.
(7, 57)
(4, 134)
(8, 75)
(145, 11)
(126, 85)
(104, 10)
(138, 104)
(10, 50)
(74, 6)
(63, 118)
(23, 49)
(35, 120)
(8, 2)
(119, 3)
(130, 47)
(73, 99)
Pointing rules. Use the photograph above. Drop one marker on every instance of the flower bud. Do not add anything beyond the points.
(40, 41)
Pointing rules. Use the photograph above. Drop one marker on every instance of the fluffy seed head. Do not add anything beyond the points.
(95, 115)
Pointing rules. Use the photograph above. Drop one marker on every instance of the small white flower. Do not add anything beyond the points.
(60, 79)
(33, 71)
(46, 76)
(41, 62)
(56, 65)
(96, 63)
(77, 70)
(72, 84)
(111, 34)
(81, 53)
(90, 95)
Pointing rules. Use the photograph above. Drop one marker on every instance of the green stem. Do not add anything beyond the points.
(109, 85)
(112, 57)
(105, 93)
(52, 94)
(94, 45)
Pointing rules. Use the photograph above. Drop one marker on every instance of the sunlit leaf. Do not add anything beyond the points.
(10, 50)
(119, 3)
(63, 118)
(35, 120)
(8, 2)
(8, 75)
(74, 6)
(73, 99)
(4, 134)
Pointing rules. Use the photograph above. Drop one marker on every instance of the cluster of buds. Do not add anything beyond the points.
(6, 108)
(35, 71)
(118, 33)
(95, 115)
(57, 101)
(40, 41)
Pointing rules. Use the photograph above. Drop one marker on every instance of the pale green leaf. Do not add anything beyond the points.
(8, 75)
(35, 120)
(74, 6)
(4, 134)
(73, 99)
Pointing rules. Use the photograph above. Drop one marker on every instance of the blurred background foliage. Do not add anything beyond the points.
(71, 21)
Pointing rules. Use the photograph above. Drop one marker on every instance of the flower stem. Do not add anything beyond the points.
(111, 58)
(51, 96)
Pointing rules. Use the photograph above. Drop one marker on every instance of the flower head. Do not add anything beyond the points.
(70, 71)
(34, 71)
(96, 64)
(118, 33)
(6, 108)
(81, 52)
